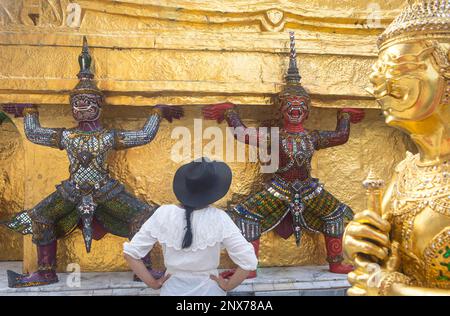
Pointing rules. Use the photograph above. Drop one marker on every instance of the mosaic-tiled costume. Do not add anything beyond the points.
(90, 199)
(293, 201)
(291, 207)
(3, 118)
(90, 193)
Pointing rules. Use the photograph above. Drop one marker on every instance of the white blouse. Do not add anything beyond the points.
(212, 230)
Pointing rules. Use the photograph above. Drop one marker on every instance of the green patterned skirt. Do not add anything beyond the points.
(311, 206)
(56, 216)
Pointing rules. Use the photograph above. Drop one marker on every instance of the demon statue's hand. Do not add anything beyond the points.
(217, 111)
(356, 115)
(170, 112)
(16, 109)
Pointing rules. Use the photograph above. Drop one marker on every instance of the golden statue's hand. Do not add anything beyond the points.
(393, 262)
(367, 234)
(364, 278)
(368, 277)
(366, 243)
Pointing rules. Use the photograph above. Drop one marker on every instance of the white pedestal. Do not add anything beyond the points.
(292, 281)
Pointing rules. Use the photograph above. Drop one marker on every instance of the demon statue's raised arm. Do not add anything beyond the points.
(292, 200)
(91, 199)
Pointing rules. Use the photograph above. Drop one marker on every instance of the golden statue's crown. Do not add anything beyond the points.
(429, 18)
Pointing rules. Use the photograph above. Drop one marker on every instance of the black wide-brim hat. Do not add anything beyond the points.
(202, 182)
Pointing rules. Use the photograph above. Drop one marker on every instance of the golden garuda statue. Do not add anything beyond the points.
(404, 248)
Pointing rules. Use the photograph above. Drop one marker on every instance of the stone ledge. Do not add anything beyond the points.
(292, 281)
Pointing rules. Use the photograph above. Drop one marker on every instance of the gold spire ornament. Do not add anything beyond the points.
(408, 236)
(374, 191)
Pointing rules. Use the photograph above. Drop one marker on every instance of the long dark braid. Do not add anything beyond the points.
(187, 240)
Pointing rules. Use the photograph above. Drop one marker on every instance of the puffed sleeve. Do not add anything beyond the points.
(239, 249)
(141, 244)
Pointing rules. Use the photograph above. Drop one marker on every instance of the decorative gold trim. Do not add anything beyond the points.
(270, 17)
(436, 249)
(157, 111)
(30, 110)
(229, 111)
(344, 115)
(390, 279)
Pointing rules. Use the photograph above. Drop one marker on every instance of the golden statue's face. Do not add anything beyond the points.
(406, 82)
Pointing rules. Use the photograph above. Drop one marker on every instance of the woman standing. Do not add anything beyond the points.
(192, 236)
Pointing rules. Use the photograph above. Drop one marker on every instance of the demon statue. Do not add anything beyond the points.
(292, 200)
(90, 198)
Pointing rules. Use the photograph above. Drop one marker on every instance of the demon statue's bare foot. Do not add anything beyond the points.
(38, 278)
(157, 274)
(229, 273)
(341, 268)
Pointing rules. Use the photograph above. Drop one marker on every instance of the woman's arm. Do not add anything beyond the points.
(238, 277)
(241, 252)
(138, 247)
(141, 271)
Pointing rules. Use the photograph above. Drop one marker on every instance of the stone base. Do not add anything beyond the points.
(292, 281)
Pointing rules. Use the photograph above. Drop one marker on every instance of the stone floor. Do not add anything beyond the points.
(292, 281)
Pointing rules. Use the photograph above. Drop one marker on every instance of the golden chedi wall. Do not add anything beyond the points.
(192, 53)
(12, 189)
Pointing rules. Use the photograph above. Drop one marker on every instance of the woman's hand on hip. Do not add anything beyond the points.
(157, 284)
(223, 283)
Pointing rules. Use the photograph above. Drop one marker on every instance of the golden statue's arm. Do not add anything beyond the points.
(398, 289)
(398, 284)
(369, 244)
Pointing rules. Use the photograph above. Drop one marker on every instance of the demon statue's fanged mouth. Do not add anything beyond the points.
(295, 110)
